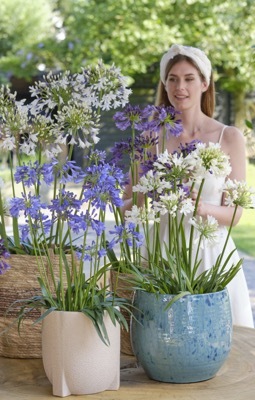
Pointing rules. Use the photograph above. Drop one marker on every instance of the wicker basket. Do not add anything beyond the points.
(20, 282)
(123, 290)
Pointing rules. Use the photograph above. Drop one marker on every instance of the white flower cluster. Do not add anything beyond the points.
(65, 110)
(173, 174)
(208, 159)
(106, 86)
(239, 193)
(169, 183)
(208, 229)
(174, 202)
(140, 215)
(152, 183)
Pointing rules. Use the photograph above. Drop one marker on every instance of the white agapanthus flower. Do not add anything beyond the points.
(28, 147)
(187, 206)
(208, 159)
(14, 120)
(55, 90)
(52, 152)
(166, 160)
(63, 105)
(61, 140)
(72, 140)
(207, 228)
(163, 158)
(107, 85)
(238, 193)
(150, 182)
(140, 215)
(168, 203)
(133, 215)
(8, 143)
(172, 166)
(177, 159)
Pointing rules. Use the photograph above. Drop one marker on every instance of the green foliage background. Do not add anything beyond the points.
(244, 233)
(67, 34)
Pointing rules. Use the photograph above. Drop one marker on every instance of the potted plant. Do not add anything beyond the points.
(58, 211)
(137, 150)
(171, 290)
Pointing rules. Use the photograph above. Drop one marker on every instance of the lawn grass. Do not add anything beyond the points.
(244, 233)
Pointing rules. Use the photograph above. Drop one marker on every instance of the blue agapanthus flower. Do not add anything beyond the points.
(27, 174)
(42, 223)
(187, 148)
(91, 252)
(65, 203)
(34, 174)
(97, 157)
(78, 222)
(29, 204)
(71, 172)
(98, 226)
(102, 185)
(166, 117)
(4, 255)
(48, 172)
(125, 233)
(133, 116)
(119, 151)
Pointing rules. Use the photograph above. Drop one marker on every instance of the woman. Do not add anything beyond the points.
(187, 85)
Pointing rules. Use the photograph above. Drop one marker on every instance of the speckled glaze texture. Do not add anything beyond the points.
(189, 342)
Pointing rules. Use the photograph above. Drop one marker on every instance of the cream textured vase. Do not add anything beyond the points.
(75, 359)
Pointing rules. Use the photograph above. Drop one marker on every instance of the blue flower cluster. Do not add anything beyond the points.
(4, 254)
(100, 186)
(140, 119)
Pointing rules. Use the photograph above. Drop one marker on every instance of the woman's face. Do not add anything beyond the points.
(184, 86)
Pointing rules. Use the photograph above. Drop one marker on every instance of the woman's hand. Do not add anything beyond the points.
(201, 207)
(222, 213)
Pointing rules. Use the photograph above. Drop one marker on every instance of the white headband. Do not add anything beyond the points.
(195, 54)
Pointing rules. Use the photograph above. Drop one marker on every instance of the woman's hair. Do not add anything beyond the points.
(207, 98)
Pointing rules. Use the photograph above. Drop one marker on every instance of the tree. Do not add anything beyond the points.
(133, 34)
(26, 30)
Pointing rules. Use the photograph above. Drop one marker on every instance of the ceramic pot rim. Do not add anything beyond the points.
(161, 295)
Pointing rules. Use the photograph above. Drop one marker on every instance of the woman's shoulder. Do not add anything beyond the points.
(233, 142)
(232, 134)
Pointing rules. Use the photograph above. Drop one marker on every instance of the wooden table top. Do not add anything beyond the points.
(24, 379)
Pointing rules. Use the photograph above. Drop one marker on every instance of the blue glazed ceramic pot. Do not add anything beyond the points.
(188, 342)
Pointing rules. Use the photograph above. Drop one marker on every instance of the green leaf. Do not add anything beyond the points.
(249, 124)
(175, 298)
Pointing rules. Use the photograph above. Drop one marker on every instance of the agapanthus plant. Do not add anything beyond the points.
(57, 207)
(72, 226)
(65, 112)
(173, 265)
(138, 149)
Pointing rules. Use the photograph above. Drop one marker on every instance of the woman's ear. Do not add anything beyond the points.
(204, 86)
